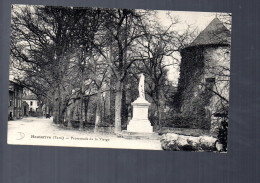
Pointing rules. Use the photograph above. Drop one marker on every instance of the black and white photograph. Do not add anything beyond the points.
(98, 77)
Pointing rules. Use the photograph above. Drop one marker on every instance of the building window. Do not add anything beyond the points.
(31, 103)
(11, 102)
(210, 82)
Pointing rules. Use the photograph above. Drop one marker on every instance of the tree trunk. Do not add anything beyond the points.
(118, 106)
(81, 112)
(158, 114)
(40, 110)
(98, 110)
(158, 108)
(81, 101)
(111, 111)
(69, 125)
(56, 107)
(124, 110)
(104, 108)
(108, 104)
(86, 109)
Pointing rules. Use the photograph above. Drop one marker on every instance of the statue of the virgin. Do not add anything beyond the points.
(141, 86)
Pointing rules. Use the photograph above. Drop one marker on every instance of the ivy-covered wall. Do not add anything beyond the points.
(201, 72)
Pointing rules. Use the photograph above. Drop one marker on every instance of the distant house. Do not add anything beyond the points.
(33, 105)
(203, 87)
(15, 110)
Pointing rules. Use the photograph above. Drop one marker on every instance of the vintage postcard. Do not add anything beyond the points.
(119, 78)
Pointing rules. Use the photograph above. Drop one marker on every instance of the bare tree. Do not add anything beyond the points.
(43, 46)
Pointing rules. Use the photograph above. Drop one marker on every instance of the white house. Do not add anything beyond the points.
(33, 103)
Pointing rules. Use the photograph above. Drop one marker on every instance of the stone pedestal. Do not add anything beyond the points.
(140, 122)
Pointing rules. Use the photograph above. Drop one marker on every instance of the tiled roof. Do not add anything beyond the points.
(214, 34)
(30, 97)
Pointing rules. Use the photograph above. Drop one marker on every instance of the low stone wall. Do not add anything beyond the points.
(175, 142)
(109, 129)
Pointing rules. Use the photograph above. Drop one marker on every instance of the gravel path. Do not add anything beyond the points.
(41, 131)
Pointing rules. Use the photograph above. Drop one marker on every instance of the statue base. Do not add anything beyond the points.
(138, 135)
(137, 125)
(140, 122)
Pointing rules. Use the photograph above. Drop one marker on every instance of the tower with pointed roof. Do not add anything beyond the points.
(204, 77)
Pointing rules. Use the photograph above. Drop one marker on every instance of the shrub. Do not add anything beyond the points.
(222, 134)
(185, 121)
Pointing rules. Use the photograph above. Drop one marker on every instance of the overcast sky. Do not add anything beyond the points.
(197, 19)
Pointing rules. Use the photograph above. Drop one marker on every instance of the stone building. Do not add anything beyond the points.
(203, 88)
(15, 110)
